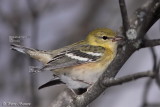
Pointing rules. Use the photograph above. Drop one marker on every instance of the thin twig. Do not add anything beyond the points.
(124, 15)
(145, 92)
(152, 105)
(149, 82)
(124, 79)
(150, 43)
(156, 67)
(112, 82)
(157, 76)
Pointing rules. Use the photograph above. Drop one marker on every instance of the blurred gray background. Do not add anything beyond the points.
(51, 24)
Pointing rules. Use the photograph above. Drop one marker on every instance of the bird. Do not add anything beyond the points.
(80, 64)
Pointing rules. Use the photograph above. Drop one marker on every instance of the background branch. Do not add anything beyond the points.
(146, 91)
(158, 74)
(152, 105)
(150, 81)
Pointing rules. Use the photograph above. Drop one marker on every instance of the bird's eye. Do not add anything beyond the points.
(105, 37)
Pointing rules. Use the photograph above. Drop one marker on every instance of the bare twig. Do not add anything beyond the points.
(157, 76)
(124, 79)
(146, 91)
(154, 57)
(149, 82)
(152, 105)
(156, 67)
(81, 100)
(124, 14)
(151, 43)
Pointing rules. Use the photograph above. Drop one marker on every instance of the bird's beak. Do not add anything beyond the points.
(117, 38)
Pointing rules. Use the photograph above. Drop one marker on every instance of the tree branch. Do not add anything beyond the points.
(156, 66)
(145, 93)
(145, 17)
(152, 105)
(149, 82)
(151, 43)
(157, 77)
(141, 21)
(121, 80)
(123, 54)
(81, 100)
(124, 16)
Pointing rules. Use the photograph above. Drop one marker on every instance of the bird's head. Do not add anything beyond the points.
(103, 37)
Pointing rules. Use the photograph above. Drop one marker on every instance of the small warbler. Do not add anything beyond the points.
(78, 65)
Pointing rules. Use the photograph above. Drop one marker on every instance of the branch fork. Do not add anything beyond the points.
(134, 31)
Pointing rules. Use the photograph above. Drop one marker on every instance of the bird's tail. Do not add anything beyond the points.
(21, 49)
(41, 56)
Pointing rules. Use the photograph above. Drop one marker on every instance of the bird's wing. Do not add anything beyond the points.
(75, 56)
